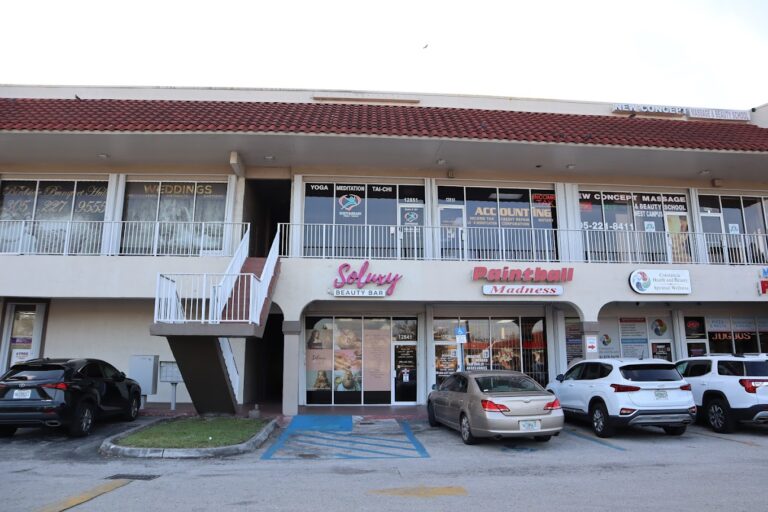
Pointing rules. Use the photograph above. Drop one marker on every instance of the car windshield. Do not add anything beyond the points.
(650, 372)
(27, 373)
(506, 384)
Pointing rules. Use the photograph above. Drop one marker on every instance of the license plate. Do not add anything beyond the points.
(660, 394)
(530, 425)
(22, 393)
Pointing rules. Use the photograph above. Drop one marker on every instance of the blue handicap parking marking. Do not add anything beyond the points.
(334, 437)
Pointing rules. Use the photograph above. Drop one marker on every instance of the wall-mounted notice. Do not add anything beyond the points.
(634, 337)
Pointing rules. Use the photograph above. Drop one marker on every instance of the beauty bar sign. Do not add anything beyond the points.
(362, 283)
(528, 281)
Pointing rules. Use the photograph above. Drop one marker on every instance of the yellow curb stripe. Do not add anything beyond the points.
(85, 496)
(422, 492)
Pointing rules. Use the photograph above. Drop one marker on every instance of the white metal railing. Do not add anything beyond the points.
(184, 298)
(328, 241)
(217, 298)
(125, 238)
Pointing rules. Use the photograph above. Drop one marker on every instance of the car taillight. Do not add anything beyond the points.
(621, 388)
(58, 385)
(493, 406)
(685, 387)
(751, 385)
(551, 406)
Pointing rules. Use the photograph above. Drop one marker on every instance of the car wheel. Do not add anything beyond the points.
(82, 422)
(675, 431)
(7, 431)
(431, 416)
(132, 412)
(542, 439)
(466, 430)
(719, 416)
(600, 420)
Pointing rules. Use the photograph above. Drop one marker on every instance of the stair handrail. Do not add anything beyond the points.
(260, 285)
(221, 292)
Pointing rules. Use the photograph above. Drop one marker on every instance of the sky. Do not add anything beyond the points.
(696, 53)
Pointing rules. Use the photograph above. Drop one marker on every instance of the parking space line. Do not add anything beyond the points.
(88, 495)
(353, 440)
(595, 440)
(412, 438)
(725, 438)
(422, 492)
(347, 447)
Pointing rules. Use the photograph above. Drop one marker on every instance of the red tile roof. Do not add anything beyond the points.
(106, 115)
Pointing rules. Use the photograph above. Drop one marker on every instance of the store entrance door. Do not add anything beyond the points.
(404, 364)
(452, 232)
(411, 236)
(22, 334)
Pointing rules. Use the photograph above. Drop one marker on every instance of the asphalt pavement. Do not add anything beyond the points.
(641, 469)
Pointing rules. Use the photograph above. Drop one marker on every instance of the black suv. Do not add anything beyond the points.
(65, 392)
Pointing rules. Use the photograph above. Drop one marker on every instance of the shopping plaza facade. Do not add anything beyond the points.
(321, 248)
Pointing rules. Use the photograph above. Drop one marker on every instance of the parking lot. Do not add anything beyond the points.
(423, 469)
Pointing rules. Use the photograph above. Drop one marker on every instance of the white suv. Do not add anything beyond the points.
(621, 392)
(728, 388)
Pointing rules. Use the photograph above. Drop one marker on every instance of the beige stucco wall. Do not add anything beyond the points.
(95, 276)
(303, 281)
(114, 331)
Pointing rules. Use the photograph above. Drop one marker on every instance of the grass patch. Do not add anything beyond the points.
(194, 433)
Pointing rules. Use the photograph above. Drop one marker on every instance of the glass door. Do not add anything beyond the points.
(23, 333)
(411, 236)
(452, 232)
(678, 243)
(404, 364)
(712, 225)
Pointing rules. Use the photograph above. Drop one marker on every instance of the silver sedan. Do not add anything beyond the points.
(495, 404)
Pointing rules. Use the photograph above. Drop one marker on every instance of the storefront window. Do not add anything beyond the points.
(492, 344)
(349, 360)
(159, 217)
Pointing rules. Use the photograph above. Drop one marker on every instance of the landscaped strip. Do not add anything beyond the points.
(194, 433)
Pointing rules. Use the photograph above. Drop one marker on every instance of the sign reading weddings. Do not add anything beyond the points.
(361, 283)
(661, 282)
(536, 281)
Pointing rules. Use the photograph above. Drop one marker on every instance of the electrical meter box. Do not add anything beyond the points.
(143, 369)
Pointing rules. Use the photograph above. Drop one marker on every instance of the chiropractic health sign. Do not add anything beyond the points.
(361, 283)
(661, 282)
(522, 281)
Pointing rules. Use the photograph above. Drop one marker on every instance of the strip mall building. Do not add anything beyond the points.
(320, 248)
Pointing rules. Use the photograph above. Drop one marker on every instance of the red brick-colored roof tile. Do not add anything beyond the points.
(106, 115)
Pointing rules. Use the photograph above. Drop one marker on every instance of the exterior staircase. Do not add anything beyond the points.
(198, 313)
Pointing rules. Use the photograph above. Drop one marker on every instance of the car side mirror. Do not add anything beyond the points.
(120, 377)
(434, 387)
(560, 378)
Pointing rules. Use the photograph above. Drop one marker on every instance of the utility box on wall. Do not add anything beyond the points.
(143, 369)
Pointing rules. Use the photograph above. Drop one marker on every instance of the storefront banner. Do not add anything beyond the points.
(446, 360)
(376, 364)
(505, 289)
(608, 347)
(743, 324)
(320, 359)
(634, 337)
(573, 339)
(661, 282)
(718, 324)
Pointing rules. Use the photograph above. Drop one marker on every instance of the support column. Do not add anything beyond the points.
(591, 331)
(291, 366)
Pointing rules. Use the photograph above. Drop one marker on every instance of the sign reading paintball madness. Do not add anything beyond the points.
(522, 281)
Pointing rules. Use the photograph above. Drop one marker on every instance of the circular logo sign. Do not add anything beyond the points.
(659, 327)
(349, 201)
(411, 217)
(640, 281)
(606, 340)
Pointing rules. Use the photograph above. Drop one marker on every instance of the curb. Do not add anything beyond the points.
(108, 447)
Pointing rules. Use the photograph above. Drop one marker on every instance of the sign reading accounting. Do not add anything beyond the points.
(361, 279)
(527, 275)
(662, 282)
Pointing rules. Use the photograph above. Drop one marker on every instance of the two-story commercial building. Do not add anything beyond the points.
(333, 248)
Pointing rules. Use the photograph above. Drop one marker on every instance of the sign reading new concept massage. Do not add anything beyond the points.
(361, 283)
(535, 281)
(661, 282)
